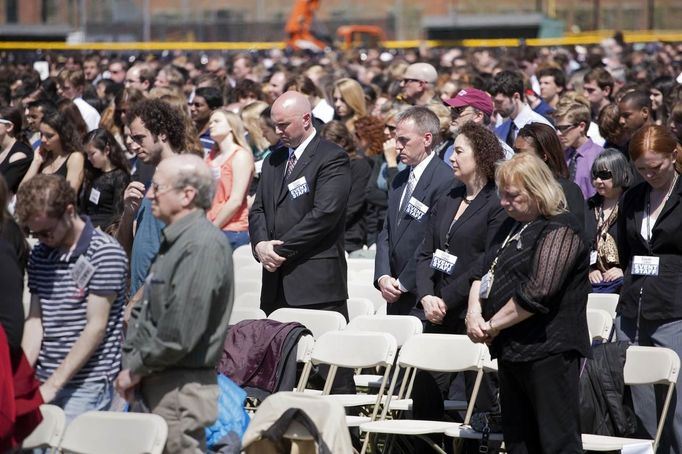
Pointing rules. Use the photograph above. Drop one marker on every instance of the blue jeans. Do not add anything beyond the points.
(237, 239)
(91, 396)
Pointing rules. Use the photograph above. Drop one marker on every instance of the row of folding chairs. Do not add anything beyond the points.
(98, 432)
(359, 349)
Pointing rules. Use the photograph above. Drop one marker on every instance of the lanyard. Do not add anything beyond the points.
(648, 212)
(511, 237)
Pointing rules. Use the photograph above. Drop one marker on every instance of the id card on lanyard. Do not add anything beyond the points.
(489, 277)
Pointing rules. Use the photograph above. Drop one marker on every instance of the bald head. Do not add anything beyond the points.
(418, 83)
(293, 101)
(291, 114)
(421, 71)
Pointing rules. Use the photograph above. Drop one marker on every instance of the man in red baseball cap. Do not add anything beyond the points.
(472, 104)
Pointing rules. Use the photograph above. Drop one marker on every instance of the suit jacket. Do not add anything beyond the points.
(661, 295)
(397, 244)
(467, 241)
(311, 225)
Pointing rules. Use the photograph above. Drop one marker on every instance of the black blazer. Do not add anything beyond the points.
(662, 294)
(397, 244)
(468, 239)
(311, 225)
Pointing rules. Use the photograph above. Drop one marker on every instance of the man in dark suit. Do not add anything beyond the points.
(413, 192)
(296, 223)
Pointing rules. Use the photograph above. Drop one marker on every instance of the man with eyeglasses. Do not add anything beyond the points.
(175, 336)
(157, 133)
(77, 278)
(572, 121)
(418, 84)
(472, 105)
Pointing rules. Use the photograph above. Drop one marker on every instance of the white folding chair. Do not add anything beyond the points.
(318, 322)
(599, 325)
(110, 432)
(361, 276)
(247, 299)
(366, 290)
(402, 327)
(358, 307)
(361, 264)
(240, 314)
(428, 352)
(251, 271)
(243, 251)
(604, 301)
(643, 366)
(49, 432)
(354, 350)
(242, 286)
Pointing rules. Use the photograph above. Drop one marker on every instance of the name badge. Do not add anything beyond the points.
(94, 196)
(82, 272)
(444, 262)
(298, 187)
(593, 258)
(486, 285)
(215, 171)
(644, 265)
(416, 209)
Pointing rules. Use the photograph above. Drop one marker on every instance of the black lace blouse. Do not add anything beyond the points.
(545, 270)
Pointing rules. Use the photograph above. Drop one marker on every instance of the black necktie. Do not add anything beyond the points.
(511, 137)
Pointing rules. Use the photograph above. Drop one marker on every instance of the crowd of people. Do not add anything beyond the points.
(494, 189)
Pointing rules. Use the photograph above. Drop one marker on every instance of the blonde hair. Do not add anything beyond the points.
(573, 112)
(250, 115)
(352, 94)
(237, 126)
(531, 174)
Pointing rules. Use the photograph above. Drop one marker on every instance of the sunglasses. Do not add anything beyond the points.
(602, 175)
(565, 128)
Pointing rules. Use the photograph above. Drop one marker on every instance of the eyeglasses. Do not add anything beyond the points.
(158, 189)
(47, 233)
(565, 128)
(602, 175)
(456, 112)
(407, 81)
(5, 122)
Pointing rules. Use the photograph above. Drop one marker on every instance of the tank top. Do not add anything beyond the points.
(239, 221)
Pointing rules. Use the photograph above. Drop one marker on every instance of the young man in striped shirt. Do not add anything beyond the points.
(77, 278)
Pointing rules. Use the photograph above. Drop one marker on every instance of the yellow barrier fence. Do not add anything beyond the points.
(583, 38)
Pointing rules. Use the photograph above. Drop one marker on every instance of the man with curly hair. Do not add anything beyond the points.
(158, 132)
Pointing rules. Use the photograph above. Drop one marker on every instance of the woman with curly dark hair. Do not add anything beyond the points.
(360, 169)
(461, 224)
(60, 153)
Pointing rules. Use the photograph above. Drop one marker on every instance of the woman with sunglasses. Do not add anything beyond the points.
(611, 176)
(378, 139)
(650, 252)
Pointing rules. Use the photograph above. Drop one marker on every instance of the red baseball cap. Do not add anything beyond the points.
(472, 97)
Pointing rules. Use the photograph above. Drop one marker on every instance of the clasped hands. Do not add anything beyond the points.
(479, 330)
(265, 250)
